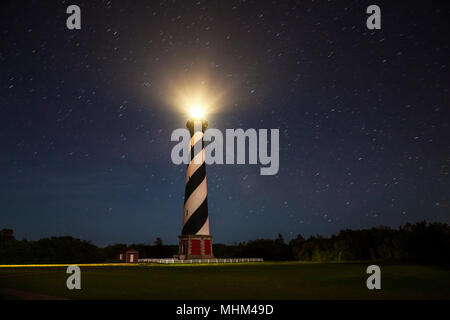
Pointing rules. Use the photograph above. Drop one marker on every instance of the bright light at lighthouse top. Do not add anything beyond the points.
(196, 111)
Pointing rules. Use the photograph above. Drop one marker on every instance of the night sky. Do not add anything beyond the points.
(86, 116)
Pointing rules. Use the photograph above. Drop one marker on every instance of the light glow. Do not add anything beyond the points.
(66, 265)
(196, 111)
(193, 93)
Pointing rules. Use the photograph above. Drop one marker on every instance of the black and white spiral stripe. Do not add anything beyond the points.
(195, 213)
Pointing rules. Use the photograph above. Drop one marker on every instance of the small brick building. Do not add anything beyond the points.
(128, 256)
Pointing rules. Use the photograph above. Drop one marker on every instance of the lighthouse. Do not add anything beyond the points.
(195, 238)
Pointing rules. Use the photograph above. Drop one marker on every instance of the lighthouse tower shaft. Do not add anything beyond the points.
(195, 239)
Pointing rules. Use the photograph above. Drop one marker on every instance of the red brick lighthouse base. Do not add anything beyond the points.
(195, 247)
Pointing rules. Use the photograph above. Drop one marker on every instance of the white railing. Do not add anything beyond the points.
(191, 261)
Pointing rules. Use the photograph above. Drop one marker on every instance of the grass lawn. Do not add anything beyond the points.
(268, 280)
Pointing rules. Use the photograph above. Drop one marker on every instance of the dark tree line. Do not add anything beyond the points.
(262, 248)
(419, 242)
(47, 250)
